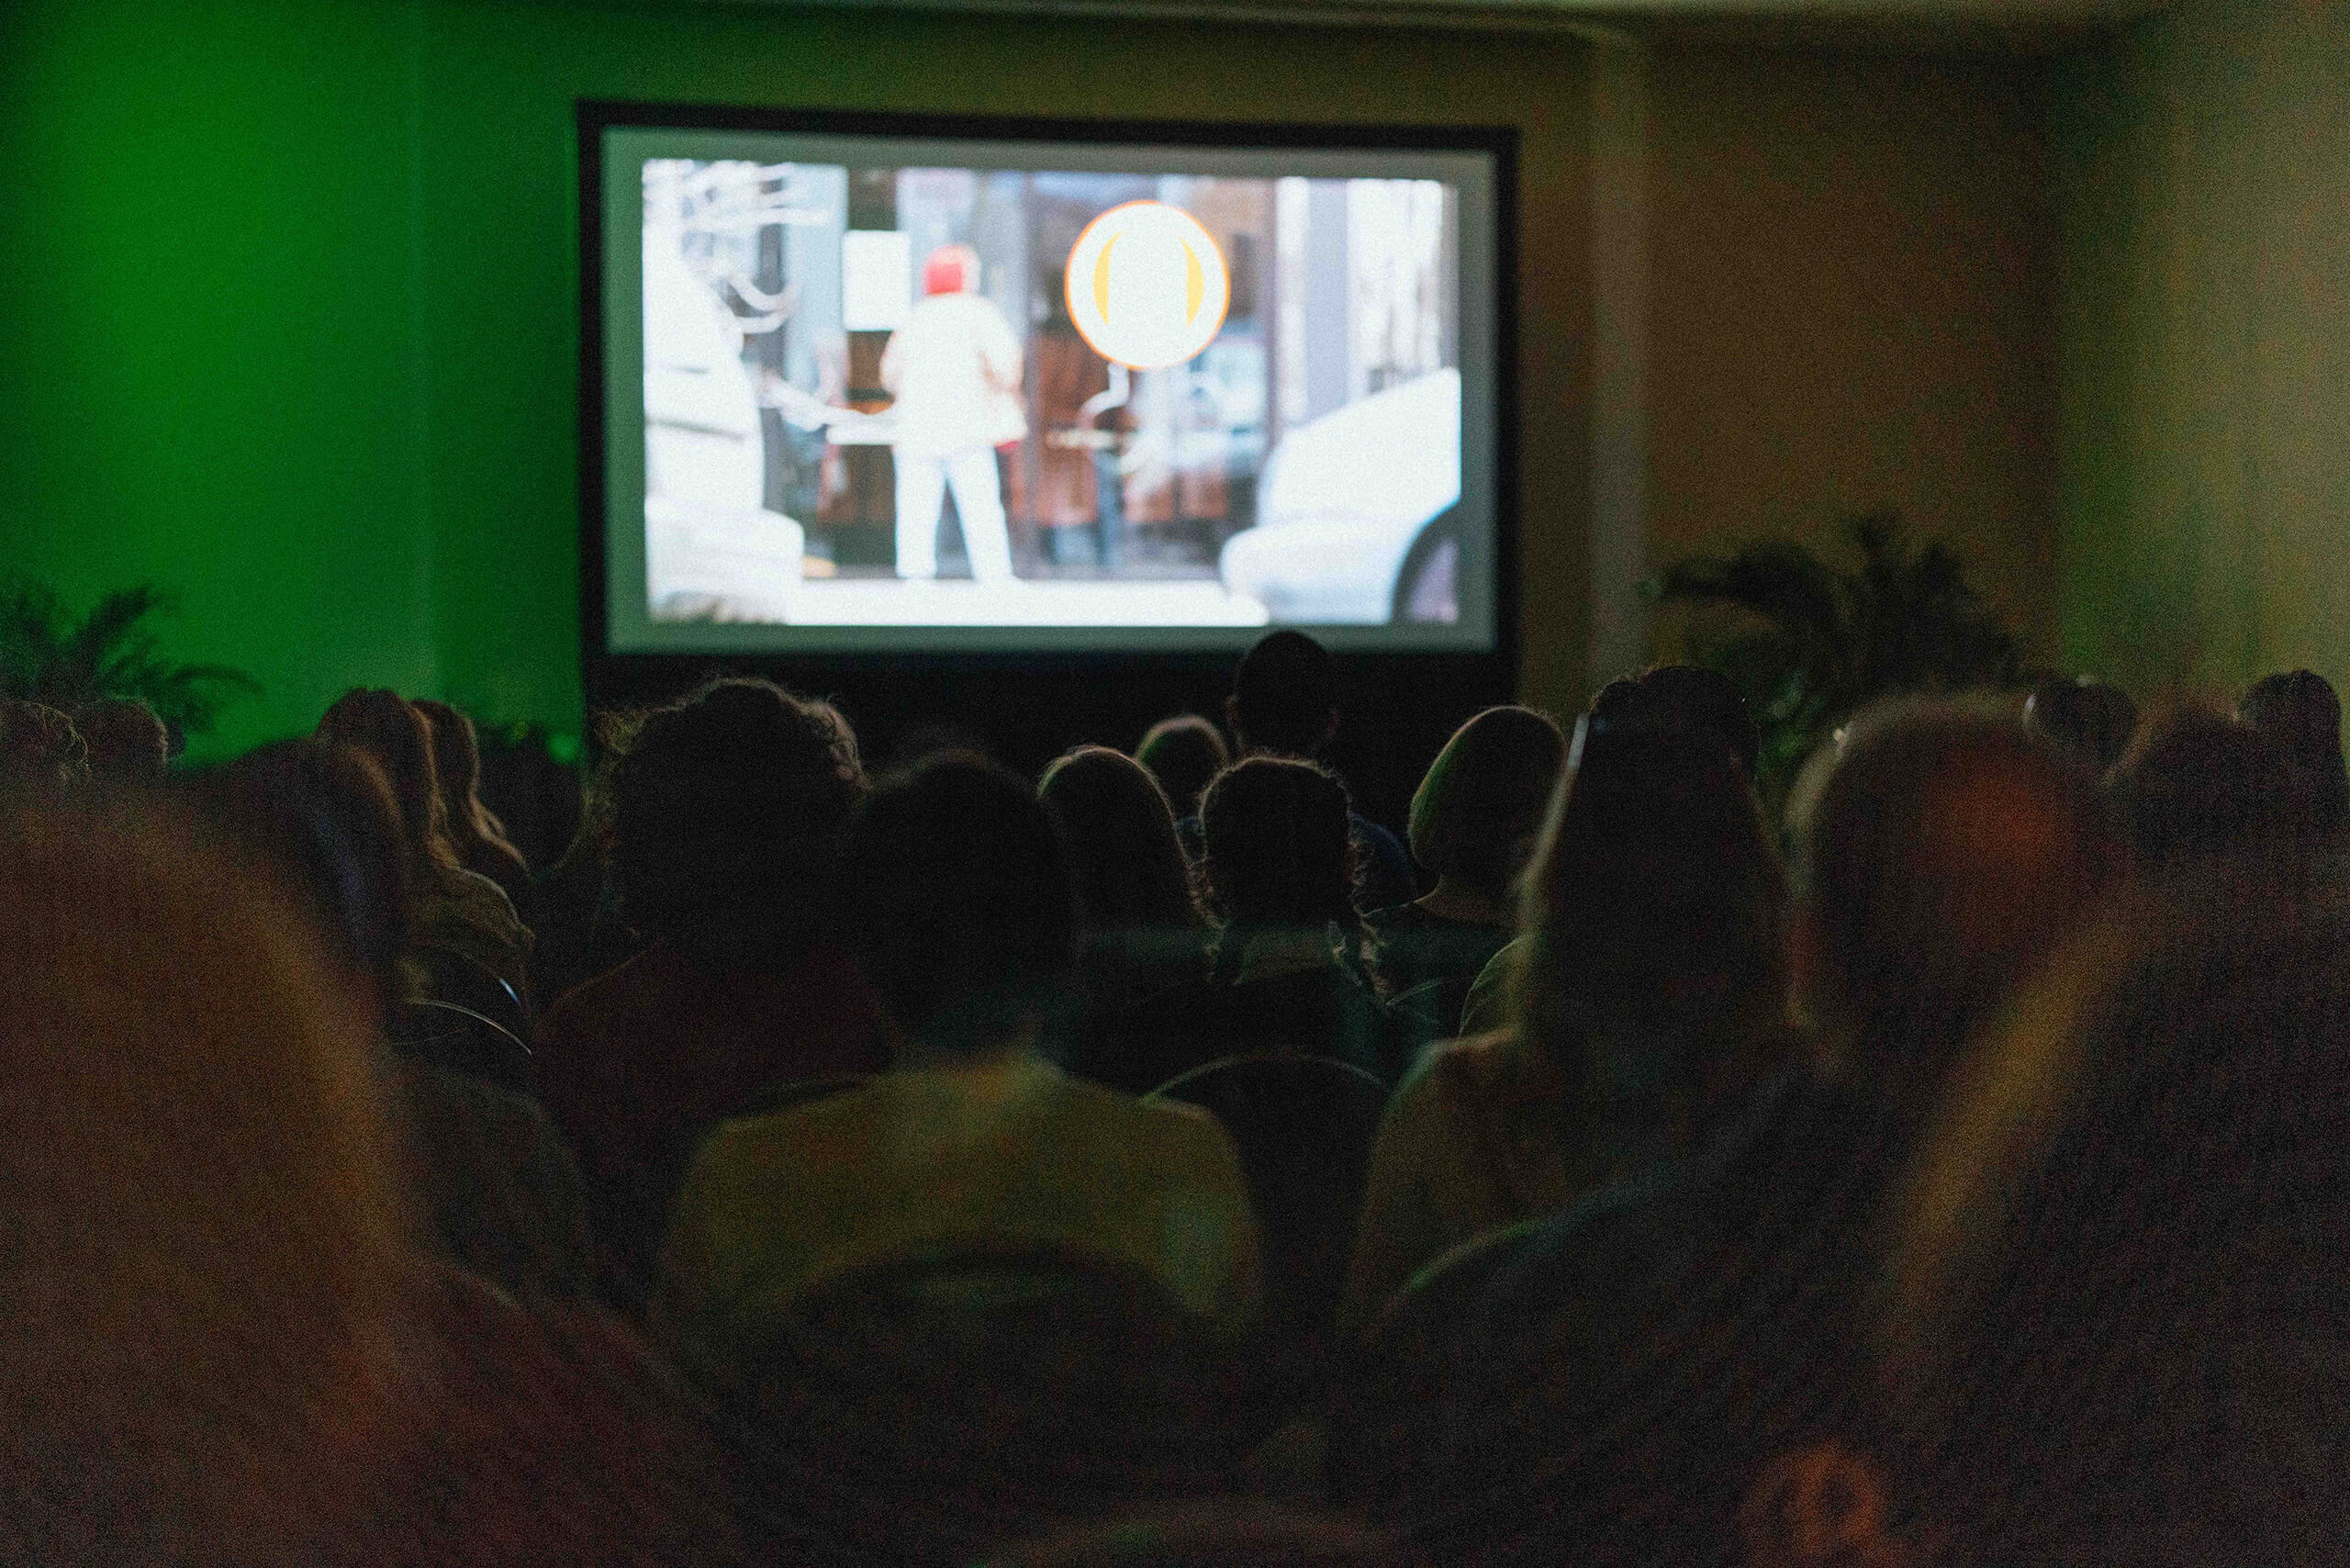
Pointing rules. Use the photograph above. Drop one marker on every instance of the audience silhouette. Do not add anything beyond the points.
(491, 1177)
(1290, 970)
(2197, 784)
(1143, 931)
(2084, 721)
(727, 807)
(127, 741)
(221, 1345)
(475, 831)
(1943, 852)
(40, 746)
(1687, 698)
(1284, 703)
(983, 1170)
(2301, 713)
(2116, 1327)
(1473, 823)
(450, 908)
(1651, 964)
(1183, 753)
(956, 901)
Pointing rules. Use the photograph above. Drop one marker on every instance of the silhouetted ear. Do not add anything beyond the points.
(1231, 723)
(1329, 729)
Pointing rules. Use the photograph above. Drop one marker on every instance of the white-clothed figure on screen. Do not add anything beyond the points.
(954, 369)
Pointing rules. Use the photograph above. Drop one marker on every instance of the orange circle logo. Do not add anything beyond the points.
(1147, 285)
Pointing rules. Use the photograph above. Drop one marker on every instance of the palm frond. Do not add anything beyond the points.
(112, 622)
(1783, 584)
(1809, 643)
(46, 656)
(33, 624)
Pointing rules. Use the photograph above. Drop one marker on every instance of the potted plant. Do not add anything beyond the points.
(48, 656)
(1809, 642)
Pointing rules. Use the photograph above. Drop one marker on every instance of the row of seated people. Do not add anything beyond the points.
(1759, 1266)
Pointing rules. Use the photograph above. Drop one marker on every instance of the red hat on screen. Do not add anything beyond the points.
(952, 269)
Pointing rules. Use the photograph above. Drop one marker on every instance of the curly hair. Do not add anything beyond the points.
(1277, 846)
(727, 809)
(126, 738)
(40, 746)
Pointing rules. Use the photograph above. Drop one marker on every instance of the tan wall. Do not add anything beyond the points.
(2205, 195)
(1852, 304)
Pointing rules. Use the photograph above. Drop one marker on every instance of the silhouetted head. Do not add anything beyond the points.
(324, 815)
(2086, 722)
(1475, 814)
(1653, 909)
(127, 741)
(2300, 711)
(1277, 846)
(1683, 697)
(957, 902)
(1943, 852)
(205, 1245)
(398, 740)
(2198, 783)
(1183, 753)
(1124, 855)
(40, 747)
(727, 808)
(2120, 1332)
(1284, 696)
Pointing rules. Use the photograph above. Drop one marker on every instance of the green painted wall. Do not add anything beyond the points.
(291, 291)
(209, 373)
(2203, 194)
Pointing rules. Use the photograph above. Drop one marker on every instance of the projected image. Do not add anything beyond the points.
(940, 397)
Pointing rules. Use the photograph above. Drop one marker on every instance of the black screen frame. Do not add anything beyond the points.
(1447, 679)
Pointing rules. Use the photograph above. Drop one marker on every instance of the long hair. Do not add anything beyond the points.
(398, 740)
(1123, 853)
(1654, 909)
(474, 829)
(2114, 1330)
(205, 1241)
